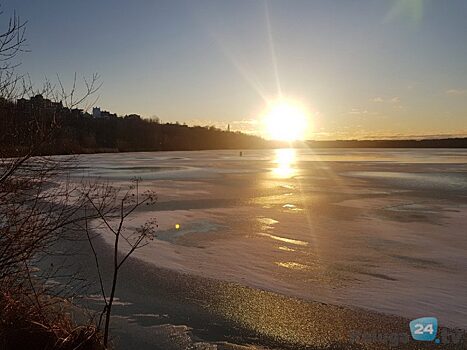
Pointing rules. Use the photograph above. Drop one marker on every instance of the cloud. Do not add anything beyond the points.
(363, 113)
(456, 92)
(358, 111)
(394, 99)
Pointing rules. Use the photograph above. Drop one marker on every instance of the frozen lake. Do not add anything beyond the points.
(379, 229)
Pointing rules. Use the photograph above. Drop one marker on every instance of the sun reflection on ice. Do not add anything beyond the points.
(292, 265)
(285, 159)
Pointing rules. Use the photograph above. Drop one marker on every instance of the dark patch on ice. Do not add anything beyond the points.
(417, 262)
(379, 275)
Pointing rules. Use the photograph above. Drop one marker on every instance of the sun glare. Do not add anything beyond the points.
(284, 159)
(285, 121)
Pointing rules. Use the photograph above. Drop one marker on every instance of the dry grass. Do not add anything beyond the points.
(24, 324)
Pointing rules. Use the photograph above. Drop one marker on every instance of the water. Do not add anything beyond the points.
(382, 229)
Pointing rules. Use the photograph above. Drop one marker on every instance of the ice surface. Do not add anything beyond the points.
(379, 229)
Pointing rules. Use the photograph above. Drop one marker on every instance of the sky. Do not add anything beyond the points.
(360, 68)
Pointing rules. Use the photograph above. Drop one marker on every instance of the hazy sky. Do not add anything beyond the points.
(362, 68)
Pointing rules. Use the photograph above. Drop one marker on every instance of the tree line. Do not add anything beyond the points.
(74, 131)
(452, 142)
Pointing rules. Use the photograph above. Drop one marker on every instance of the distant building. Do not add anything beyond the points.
(96, 112)
(228, 127)
(106, 114)
(37, 103)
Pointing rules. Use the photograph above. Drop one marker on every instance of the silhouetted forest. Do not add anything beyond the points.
(74, 131)
(426, 143)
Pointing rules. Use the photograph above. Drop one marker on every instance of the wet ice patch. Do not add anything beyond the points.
(444, 181)
(172, 235)
(284, 239)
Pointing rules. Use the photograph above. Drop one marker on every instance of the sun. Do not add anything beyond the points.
(285, 121)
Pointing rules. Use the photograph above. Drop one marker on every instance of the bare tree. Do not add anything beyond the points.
(32, 210)
(39, 130)
(12, 43)
(113, 221)
(39, 203)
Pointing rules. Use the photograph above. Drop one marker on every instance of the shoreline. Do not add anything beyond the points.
(159, 308)
(193, 257)
(216, 312)
(307, 144)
